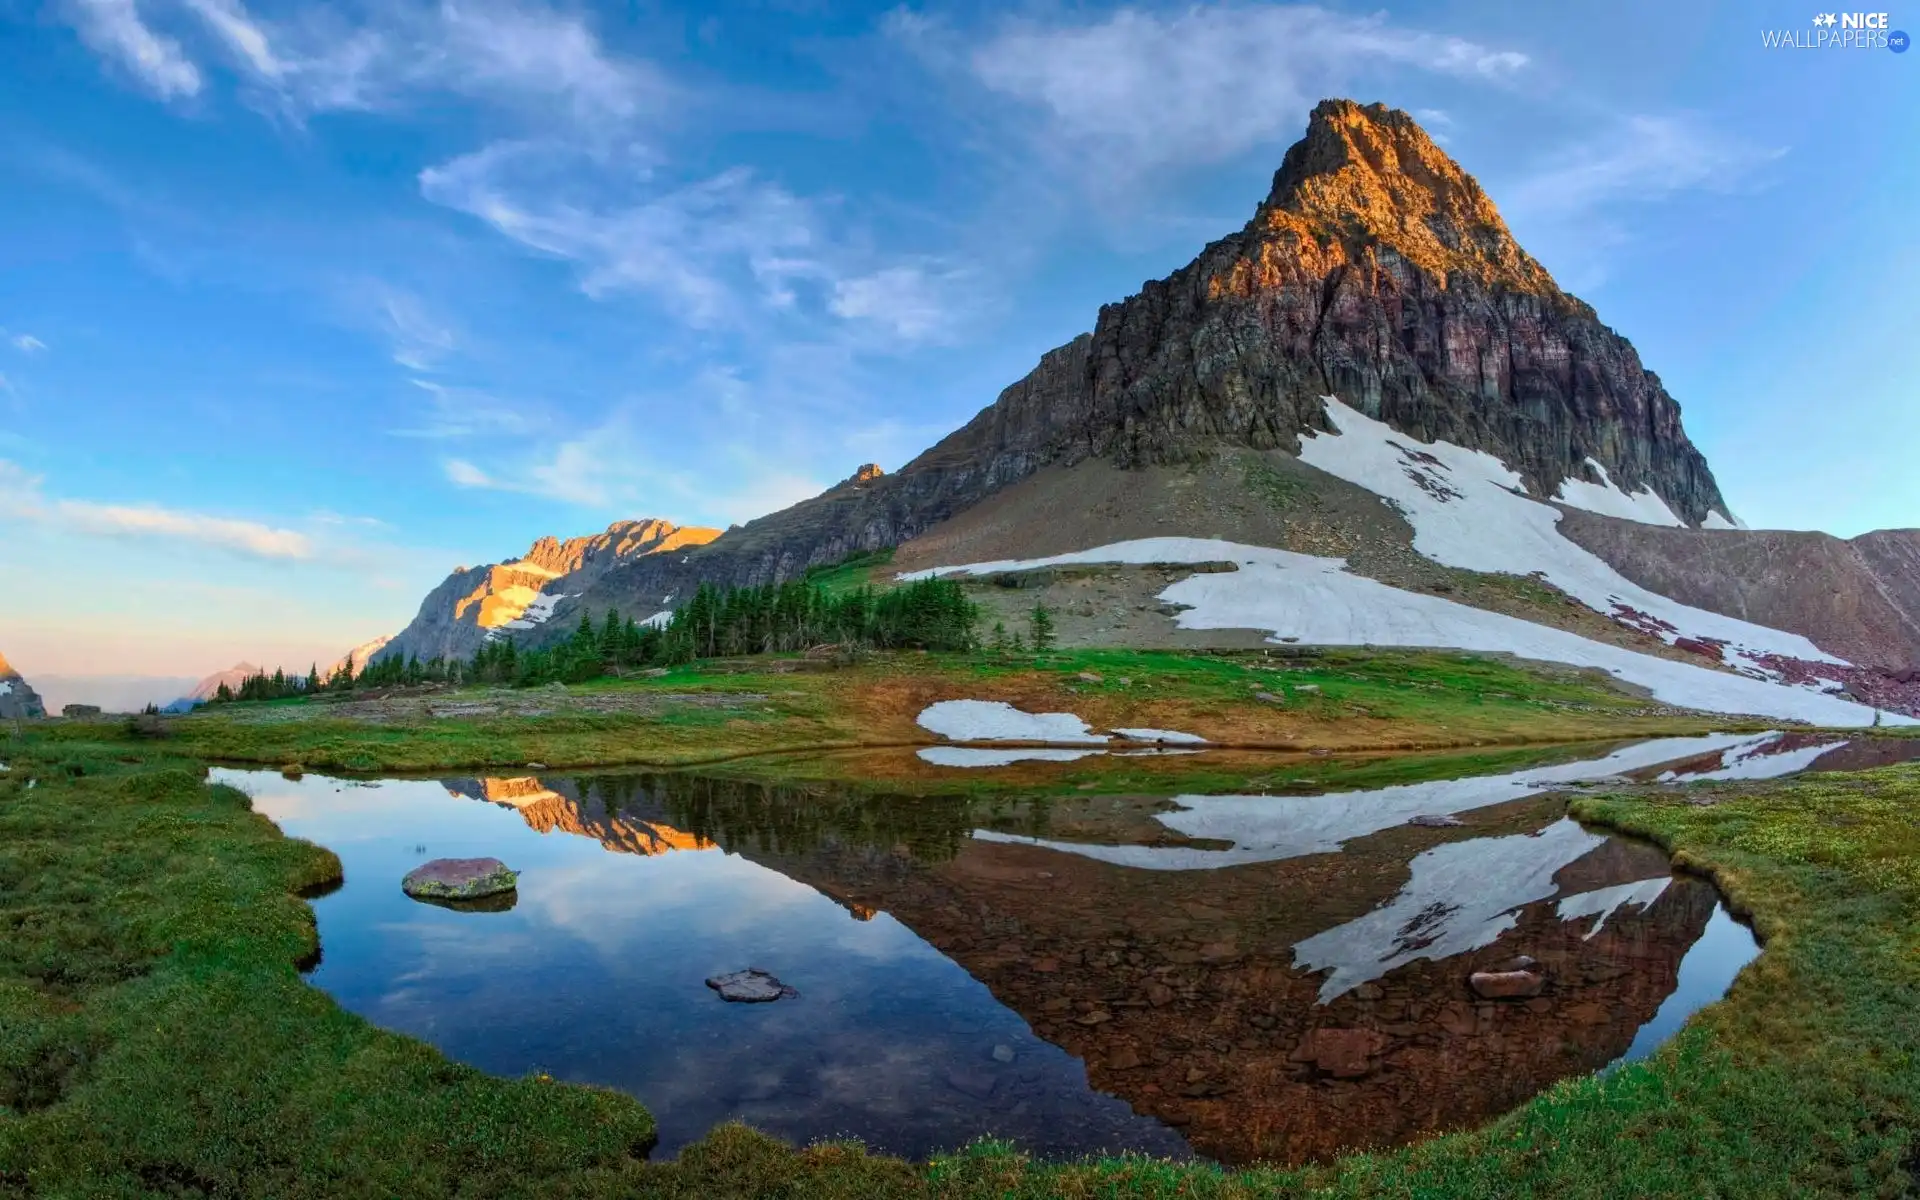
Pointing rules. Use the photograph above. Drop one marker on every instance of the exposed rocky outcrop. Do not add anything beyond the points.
(475, 603)
(1375, 269)
(18, 701)
(1858, 598)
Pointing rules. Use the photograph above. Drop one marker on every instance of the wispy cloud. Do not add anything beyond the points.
(1570, 209)
(115, 31)
(460, 412)
(318, 60)
(420, 340)
(25, 343)
(21, 499)
(1137, 90)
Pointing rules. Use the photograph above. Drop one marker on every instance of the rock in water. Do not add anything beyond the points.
(1435, 821)
(1506, 985)
(459, 879)
(751, 986)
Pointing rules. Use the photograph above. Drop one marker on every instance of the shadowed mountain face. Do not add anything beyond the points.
(1197, 995)
(18, 701)
(1376, 270)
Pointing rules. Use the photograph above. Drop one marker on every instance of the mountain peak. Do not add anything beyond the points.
(1368, 176)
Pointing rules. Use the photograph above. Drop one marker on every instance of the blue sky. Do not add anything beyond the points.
(303, 305)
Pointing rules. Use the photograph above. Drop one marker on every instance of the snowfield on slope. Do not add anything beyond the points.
(1319, 602)
(1468, 509)
(998, 721)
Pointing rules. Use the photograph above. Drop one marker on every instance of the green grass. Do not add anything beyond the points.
(715, 711)
(155, 1038)
(853, 572)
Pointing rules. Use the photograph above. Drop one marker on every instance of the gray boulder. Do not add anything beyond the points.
(459, 879)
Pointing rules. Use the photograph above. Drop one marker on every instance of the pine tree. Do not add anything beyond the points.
(1040, 623)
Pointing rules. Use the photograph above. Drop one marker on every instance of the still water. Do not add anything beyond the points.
(1171, 970)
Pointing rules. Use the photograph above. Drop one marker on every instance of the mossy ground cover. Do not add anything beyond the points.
(714, 711)
(155, 1037)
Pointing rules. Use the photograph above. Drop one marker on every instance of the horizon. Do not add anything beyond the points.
(301, 315)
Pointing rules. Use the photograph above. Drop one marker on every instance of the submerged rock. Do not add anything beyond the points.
(1341, 1053)
(751, 986)
(1506, 985)
(459, 879)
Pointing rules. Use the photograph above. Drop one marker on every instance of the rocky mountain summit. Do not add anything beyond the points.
(476, 603)
(1375, 269)
(18, 701)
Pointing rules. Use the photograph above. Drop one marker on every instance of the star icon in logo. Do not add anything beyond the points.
(1827, 20)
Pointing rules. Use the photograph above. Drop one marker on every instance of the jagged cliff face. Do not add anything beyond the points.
(1375, 270)
(473, 604)
(17, 700)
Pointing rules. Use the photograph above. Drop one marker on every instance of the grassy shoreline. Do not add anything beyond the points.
(708, 714)
(157, 1038)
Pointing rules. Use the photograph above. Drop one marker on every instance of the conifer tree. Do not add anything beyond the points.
(1040, 623)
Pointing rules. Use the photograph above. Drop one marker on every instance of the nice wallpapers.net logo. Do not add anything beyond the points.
(1840, 31)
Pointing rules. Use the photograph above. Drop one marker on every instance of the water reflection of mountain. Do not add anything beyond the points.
(1181, 990)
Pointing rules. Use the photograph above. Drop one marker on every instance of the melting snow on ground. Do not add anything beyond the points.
(1469, 510)
(1755, 760)
(1160, 735)
(1318, 601)
(982, 756)
(1267, 828)
(1462, 896)
(1604, 902)
(998, 721)
(1607, 499)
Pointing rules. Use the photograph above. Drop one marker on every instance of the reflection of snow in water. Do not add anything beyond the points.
(1604, 902)
(982, 756)
(1462, 896)
(1266, 828)
(1756, 759)
(998, 721)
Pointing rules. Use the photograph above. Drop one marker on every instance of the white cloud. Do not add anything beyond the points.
(419, 340)
(26, 343)
(465, 474)
(115, 30)
(695, 247)
(458, 412)
(21, 499)
(1641, 158)
(1567, 210)
(906, 301)
(1137, 90)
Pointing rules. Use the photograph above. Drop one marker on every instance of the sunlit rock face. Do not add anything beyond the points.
(18, 701)
(558, 809)
(477, 603)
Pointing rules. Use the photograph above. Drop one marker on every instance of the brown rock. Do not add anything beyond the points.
(1506, 985)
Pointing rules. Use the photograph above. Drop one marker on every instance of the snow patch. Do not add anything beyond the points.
(659, 620)
(1300, 597)
(1604, 902)
(538, 610)
(530, 568)
(1607, 499)
(998, 721)
(6, 687)
(982, 756)
(1159, 735)
(1269, 828)
(1716, 521)
(1468, 509)
(1462, 896)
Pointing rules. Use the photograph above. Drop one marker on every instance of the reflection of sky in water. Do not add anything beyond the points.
(1705, 975)
(597, 975)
